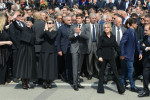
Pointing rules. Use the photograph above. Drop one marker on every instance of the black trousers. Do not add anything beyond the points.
(112, 63)
(146, 74)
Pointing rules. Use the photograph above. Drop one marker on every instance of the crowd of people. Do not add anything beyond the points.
(43, 40)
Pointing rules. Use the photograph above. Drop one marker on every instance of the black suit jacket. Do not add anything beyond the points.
(38, 29)
(146, 54)
(15, 35)
(106, 47)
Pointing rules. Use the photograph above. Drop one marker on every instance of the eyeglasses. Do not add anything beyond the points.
(142, 18)
(49, 23)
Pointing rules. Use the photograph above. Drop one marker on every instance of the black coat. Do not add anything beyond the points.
(15, 35)
(49, 40)
(106, 47)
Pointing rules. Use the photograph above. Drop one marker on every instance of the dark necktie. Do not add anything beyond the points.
(118, 36)
(94, 39)
(79, 25)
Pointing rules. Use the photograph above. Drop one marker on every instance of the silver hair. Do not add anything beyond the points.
(64, 18)
(92, 14)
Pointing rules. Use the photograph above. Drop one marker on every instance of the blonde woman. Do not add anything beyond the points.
(4, 50)
(105, 52)
(47, 69)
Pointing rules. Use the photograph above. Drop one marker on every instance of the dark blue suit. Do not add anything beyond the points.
(62, 39)
(63, 44)
(128, 44)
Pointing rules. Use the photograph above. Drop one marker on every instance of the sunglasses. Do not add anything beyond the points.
(142, 18)
(49, 23)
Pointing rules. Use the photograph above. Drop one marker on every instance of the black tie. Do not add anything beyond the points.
(79, 25)
(94, 39)
(118, 36)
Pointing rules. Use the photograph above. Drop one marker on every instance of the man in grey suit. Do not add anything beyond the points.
(94, 31)
(118, 31)
(78, 38)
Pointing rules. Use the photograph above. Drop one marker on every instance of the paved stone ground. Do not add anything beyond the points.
(64, 91)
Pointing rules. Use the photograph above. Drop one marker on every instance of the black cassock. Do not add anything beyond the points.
(26, 65)
(4, 56)
(47, 69)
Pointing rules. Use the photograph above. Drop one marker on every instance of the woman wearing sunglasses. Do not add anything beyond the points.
(47, 69)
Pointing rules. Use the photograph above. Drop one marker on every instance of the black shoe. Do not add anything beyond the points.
(89, 77)
(80, 86)
(101, 92)
(135, 89)
(45, 85)
(143, 94)
(24, 86)
(75, 87)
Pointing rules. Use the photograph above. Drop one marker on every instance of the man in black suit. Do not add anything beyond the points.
(78, 39)
(63, 47)
(145, 46)
(15, 36)
(38, 28)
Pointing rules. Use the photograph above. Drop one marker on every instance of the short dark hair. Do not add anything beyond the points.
(134, 15)
(132, 21)
(79, 15)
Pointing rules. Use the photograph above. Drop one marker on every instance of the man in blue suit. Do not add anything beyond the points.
(129, 44)
(63, 46)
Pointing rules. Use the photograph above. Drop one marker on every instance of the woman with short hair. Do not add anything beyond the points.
(105, 52)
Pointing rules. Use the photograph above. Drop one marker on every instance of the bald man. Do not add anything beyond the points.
(118, 31)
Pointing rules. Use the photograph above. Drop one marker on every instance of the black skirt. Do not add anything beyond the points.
(47, 69)
(26, 65)
(4, 57)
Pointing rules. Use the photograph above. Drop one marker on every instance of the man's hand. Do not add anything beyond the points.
(100, 59)
(122, 57)
(60, 53)
(77, 30)
(140, 57)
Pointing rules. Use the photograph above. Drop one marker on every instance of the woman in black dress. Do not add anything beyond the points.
(105, 52)
(4, 50)
(26, 65)
(47, 68)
